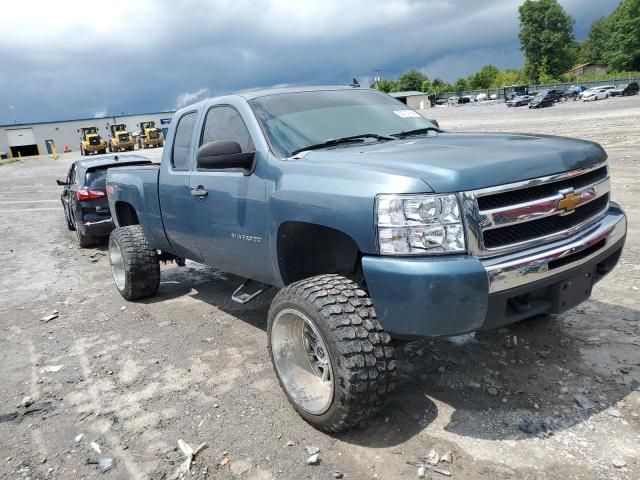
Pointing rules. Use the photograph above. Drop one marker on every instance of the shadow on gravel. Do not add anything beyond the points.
(214, 288)
(533, 378)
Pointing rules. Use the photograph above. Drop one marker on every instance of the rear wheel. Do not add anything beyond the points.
(332, 358)
(135, 265)
(84, 241)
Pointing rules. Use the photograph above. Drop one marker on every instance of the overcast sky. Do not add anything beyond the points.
(72, 59)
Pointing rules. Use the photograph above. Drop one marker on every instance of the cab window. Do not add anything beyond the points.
(224, 123)
(182, 141)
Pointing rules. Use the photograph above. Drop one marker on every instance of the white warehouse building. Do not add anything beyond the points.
(33, 138)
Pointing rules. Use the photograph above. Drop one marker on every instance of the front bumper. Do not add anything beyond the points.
(152, 141)
(457, 294)
(95, 148)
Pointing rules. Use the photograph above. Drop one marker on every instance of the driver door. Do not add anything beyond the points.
(228, 209)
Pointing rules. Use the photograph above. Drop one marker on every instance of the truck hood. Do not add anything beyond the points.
(453, 162)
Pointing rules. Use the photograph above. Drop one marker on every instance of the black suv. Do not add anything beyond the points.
(84, 197)
(624, 90)
(544, 98)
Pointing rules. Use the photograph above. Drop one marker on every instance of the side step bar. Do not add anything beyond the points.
(241, 295)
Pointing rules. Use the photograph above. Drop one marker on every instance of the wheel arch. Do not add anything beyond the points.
(125, 214)
(306, 249)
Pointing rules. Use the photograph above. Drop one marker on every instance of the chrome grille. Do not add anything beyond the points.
(511, 217)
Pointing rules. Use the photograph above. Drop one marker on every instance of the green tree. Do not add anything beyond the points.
(460, 84)
(485, 77)
(594, 48)
(546, 31)
(385, 86)
(438, 85)
(411, 80)
(426, 86)
(622, 50)
(510, 76)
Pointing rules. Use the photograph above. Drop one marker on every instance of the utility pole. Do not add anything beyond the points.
(377, 78)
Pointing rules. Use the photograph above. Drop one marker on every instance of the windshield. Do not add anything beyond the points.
(293, 121)
(90, 130)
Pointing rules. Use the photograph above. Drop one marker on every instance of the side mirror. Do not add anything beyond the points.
(62, 183)
(223, 155)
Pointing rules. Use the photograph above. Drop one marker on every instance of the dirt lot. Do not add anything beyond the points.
(190, 364)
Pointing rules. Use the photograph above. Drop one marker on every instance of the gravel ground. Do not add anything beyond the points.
(190, 364)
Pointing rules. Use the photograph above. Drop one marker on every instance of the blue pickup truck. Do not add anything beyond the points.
(374, 224)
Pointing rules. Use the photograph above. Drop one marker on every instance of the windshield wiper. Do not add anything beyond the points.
(417, 131)
(338, 141)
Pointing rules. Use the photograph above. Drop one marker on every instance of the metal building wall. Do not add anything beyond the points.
(66, 133)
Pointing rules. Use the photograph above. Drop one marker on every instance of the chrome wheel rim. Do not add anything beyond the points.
(117, 264)
(302, 361)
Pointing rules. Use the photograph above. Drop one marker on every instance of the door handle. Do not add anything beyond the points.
(199, 191)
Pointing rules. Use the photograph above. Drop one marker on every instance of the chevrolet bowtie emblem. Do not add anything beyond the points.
(569, 202)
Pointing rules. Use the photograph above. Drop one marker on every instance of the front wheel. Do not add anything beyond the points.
(331, 357)
(135, 265)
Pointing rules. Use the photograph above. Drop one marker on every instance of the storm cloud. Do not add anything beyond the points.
(63, 60)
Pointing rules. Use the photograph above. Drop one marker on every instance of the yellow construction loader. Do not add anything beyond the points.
(91, 141)
(150, 136)
(119, 138)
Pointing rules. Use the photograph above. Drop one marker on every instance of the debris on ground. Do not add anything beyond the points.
(432, 458)
(338, 474)
(78, 437)
(311, 450)
(619, 463)
(106, 464)
(447, 457)
(224, 461)
(583, 401)
(48, 318)
(291, 443)
(96, 447)
(51, 368)
(313, 459)
(27, 401)
(190, 453)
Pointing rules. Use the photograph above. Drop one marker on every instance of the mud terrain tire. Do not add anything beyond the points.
(134, 263)
(360, 352)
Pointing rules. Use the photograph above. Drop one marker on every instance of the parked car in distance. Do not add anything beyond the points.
(557, 95)
(84, 198)
(573, 92)
(465, 99)
(624, 90)
(542, 99)
(520, 101)
(481, 97)
(372, 222)
(471, 98)
(594, 94)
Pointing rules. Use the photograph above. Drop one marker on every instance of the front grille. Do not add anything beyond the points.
(515, 197)
(523, 232)
(124, 137)
(153, 135)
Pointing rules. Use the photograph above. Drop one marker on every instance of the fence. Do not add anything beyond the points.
(533, 87)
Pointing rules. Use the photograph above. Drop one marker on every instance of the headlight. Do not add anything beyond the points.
(419, 224)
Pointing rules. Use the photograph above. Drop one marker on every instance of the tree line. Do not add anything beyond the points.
(550, 51)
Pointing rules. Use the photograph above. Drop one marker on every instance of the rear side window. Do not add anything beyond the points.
(182, 141)
(96, 178)
(225, 124)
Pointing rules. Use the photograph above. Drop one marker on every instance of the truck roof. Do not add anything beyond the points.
(263, 92)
